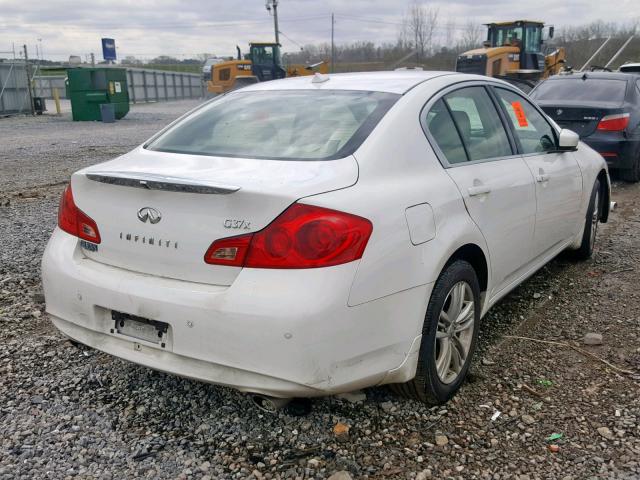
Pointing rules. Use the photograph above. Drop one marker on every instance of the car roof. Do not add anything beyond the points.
(399, 81)
(595, 75)
(514, 22)
(634, 67)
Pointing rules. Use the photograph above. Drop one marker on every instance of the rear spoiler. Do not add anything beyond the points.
(150, 181)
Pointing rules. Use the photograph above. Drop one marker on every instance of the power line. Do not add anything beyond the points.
(290, 39)
(357, 18)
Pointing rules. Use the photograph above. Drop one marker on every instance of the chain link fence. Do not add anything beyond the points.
(45, 85)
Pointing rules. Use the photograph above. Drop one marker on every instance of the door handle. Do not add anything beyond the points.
(478, 190)
(543, 177)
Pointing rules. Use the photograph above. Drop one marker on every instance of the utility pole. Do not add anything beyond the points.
(27, 68)
(333, 48)
(269, 5)
(275, 20)
(93, 60)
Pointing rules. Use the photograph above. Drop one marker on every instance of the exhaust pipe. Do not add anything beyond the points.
(269, 404)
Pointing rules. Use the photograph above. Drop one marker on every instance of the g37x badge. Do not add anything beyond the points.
(237, 224)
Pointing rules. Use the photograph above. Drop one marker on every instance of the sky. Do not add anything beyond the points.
(146, 29)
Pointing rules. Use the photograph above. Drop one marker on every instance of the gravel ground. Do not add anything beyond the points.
(68, 412)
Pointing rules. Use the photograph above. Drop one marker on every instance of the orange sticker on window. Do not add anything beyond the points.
(519, 111)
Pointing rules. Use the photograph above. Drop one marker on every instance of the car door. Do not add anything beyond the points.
(495, 183)
(557, 175)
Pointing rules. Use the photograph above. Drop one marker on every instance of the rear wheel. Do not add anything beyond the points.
(590, 224)
(631, 174)
(449, 336)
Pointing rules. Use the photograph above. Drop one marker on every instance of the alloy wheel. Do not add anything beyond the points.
(454, 334)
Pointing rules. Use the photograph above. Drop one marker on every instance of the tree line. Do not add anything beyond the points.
(426, 39)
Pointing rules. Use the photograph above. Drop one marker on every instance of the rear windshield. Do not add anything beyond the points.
(576, 89)
(281, 125)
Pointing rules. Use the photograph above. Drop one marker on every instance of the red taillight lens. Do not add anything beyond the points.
(614, 123)
(303, 236)
(74, 221)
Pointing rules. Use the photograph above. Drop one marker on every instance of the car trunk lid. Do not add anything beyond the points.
(158, 212)
(577, 116)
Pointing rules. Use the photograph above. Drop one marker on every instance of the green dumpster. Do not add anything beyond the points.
(88, 88)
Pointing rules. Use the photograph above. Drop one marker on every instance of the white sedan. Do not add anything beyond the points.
(317, 235)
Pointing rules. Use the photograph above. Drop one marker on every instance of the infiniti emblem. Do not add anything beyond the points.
(149, 214)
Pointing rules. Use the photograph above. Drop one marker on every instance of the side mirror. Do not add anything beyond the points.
(551, 30)
(568, 140)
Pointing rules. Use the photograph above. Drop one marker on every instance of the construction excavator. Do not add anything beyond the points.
(262, 63)
(514, 51)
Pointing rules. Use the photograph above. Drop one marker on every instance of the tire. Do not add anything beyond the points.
(429, 386)
(631, 174)
(590, 230)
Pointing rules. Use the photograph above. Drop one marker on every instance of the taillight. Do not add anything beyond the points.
(74, 221)
(614, 123)
(303, 236)
(229, 251)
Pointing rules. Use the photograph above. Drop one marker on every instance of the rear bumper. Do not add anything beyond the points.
(618, 152)
(280, 333)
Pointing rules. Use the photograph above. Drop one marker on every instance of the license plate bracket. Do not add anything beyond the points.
(140, 328)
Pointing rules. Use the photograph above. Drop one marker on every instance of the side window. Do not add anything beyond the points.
(225, 74)
(533, 131)
(440, 125)
(478, 123)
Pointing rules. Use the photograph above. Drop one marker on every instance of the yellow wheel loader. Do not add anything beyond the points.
(513, 50)
(262, 63)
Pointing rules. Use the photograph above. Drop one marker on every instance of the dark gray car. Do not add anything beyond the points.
(603, 108)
